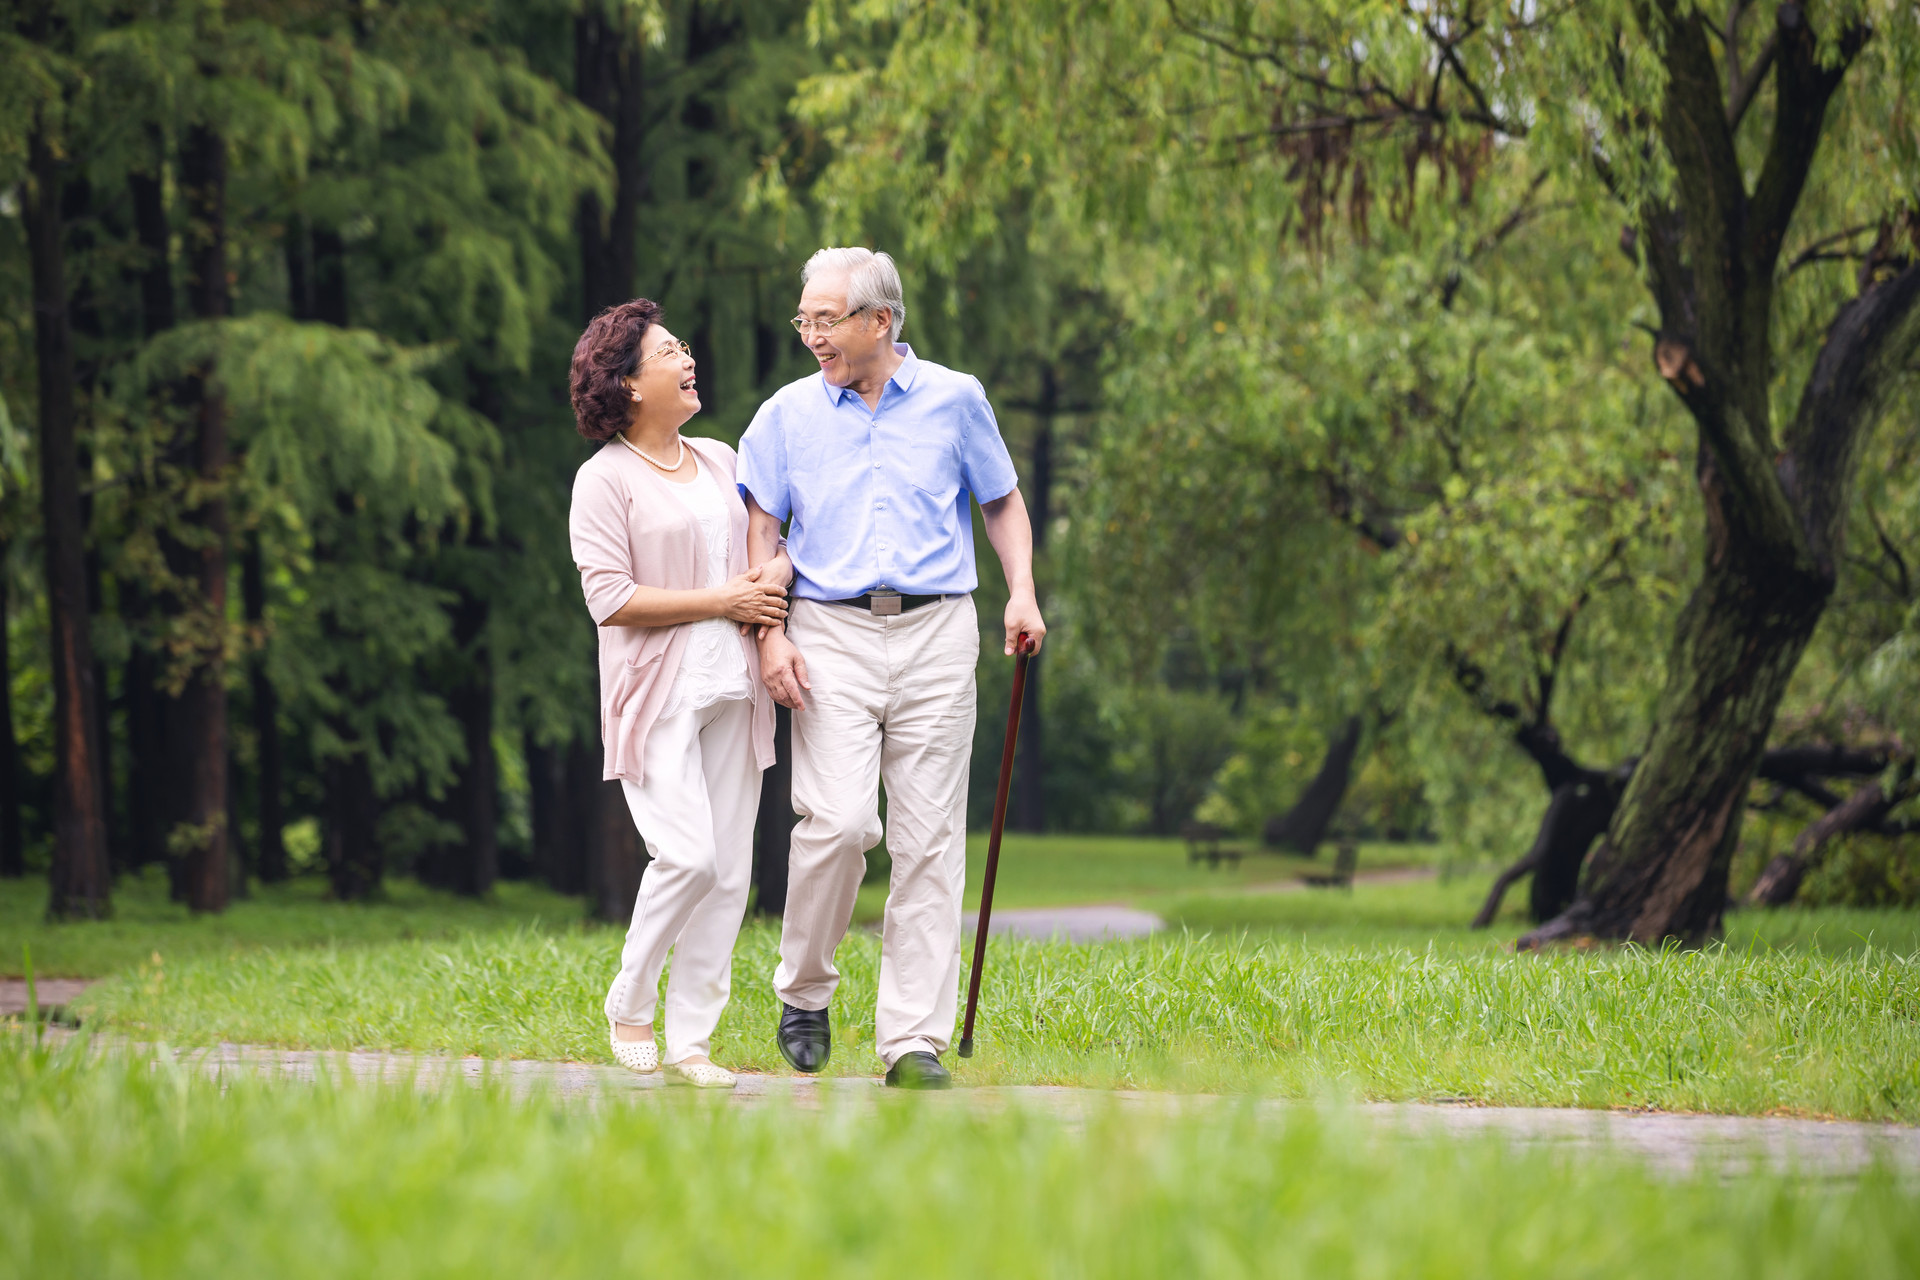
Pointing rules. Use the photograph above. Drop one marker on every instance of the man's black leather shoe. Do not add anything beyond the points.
(805, 1037)
(919, 1070)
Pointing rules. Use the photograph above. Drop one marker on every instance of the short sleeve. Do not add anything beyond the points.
(761, 471)
(986, 467)
(597, 525)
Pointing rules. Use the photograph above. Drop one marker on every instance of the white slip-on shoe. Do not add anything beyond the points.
(701, 1075)
(635, 1055)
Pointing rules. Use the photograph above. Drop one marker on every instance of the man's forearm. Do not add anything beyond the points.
(1011, 534)
(763, 537)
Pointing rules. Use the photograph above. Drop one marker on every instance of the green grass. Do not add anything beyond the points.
(1047, 871)
(1420, 913)
(1379, 992)
(1724, 1030)
(290, 915)
(112, 1168)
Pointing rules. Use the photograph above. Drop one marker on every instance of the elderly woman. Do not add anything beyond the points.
(660, 536)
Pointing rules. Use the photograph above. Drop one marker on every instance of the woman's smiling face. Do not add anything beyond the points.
(665, 375)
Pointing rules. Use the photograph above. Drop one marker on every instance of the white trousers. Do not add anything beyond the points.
(696, 812)
(892, 698)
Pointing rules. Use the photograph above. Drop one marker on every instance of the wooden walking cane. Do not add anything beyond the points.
(1022, 651)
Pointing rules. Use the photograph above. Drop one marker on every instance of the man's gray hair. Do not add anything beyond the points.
(872, 280)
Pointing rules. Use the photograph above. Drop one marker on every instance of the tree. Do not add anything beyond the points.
(1186, 120)
(1776, 501)
(80, 873)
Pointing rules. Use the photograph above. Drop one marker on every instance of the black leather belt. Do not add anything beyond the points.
(887, 604)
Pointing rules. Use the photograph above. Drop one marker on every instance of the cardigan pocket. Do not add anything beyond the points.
(631, 680)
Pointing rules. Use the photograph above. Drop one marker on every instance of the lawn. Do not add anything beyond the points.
(1145, 871)
(297, 914)
(112, 1168)
(1379, 992)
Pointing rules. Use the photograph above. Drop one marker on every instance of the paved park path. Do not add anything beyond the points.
(1671, 1144)
(1099, 922)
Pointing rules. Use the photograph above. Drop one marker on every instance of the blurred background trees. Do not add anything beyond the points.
(1362, 375)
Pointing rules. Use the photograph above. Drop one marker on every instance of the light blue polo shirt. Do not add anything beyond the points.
(880, 498)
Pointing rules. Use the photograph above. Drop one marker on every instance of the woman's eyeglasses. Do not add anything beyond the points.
(678, 347)
(807, 328)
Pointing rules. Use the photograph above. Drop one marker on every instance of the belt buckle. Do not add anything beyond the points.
(883, 602)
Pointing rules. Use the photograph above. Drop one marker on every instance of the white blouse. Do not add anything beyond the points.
(714, 666)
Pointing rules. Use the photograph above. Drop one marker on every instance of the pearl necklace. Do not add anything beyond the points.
(679, 462)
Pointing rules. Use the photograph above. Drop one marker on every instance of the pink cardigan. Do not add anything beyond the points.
(629, 530)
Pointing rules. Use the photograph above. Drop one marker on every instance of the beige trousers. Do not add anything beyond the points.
(696, 812)
(893, 699)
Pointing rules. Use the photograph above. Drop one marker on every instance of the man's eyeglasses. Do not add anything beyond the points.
(678, 347)
(807, 328)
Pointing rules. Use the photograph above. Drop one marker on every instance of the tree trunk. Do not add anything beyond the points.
(204, 700)
(1662, 872)
(474, 866)
(80, 875)
(773, 831)
(351, 812)
(1578, 811)
(154, 782)
(607, 79)
(557, 857)
(615, 866)
(1030, 787)
(1776, 507)
(1865, 809)
(270, 862)
(13, 854)
(1303, 828)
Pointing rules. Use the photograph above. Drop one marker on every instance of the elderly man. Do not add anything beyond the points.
(876, 460)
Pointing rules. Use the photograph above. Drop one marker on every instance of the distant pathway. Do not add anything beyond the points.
(1095, 923)
(1671, 1144)
(1399, 875)
(1098, 922)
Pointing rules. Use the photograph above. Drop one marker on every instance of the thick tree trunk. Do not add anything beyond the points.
(13, 854)
(1030, 786)
(270, 863)
(155, 786)
(81, 874)
(556, 844)
(615, 866)
(773, 831)
(474, 866)
(578, 764)
(204, 700)
(1303, 828)
(351, 812)
(1662, 872)
(1776, 506)
(607, 79)
(1578, 812)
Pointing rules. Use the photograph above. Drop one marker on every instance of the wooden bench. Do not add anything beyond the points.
(1203, 845)
(1346, 857)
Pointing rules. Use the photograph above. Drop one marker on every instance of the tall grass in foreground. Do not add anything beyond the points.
(113, 1168)
(1714, 1030)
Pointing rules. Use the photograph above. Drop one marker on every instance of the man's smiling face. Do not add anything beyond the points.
(854, 346)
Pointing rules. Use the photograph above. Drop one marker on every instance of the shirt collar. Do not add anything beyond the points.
(902, 377)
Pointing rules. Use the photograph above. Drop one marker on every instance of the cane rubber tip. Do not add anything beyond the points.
(966, 1048)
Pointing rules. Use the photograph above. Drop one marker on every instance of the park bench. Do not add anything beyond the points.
(1346, 857)
(1203, 845)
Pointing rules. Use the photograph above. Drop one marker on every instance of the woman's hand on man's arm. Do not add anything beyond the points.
(745, 599)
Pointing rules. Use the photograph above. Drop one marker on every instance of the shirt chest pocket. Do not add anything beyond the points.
(933, 467)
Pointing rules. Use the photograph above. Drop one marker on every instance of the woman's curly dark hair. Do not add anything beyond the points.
(608, 352)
